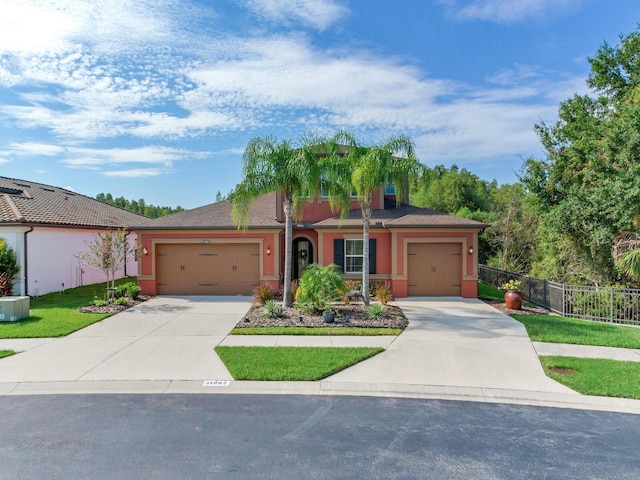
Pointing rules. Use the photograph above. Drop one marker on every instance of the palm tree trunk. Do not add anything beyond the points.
(366, 217)
(288, 242)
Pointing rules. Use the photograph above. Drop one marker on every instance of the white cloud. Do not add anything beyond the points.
(507, 11)
(318, 14)
(135, 173)
(83, 88)
(30, 148)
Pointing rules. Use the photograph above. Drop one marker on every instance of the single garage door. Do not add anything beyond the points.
(434, 269)
(207, 269)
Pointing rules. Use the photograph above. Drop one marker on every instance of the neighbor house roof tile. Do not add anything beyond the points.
(27, 202)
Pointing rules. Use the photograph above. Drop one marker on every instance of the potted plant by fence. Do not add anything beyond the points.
(513, 296)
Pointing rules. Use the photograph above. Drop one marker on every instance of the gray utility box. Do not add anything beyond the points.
(13, 308)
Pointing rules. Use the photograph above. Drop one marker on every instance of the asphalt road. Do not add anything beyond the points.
(303, 437)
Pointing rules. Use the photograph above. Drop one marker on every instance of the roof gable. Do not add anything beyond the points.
(262, 214)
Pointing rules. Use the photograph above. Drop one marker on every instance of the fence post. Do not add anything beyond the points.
(544, 294)
(564, 311)
(611, 307)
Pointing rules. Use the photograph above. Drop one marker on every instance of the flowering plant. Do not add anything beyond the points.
(512, 285)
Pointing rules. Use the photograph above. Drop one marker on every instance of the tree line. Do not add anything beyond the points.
(138, 206)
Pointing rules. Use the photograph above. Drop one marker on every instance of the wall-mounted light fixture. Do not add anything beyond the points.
(145, 251)
(470, 250)
(268, 250)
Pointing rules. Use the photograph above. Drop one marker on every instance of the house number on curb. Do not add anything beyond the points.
(216, 383)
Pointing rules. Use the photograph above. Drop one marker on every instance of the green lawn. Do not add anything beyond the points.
(589, 376)
(352, 331)
(489, 293)
(290, 363)
(555, 329)
(56, 314)
(6, 353)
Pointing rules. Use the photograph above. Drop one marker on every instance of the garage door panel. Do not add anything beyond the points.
(208, 269)
(434, 269)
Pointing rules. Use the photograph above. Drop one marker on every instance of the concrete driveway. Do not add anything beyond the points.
(167, 343)
(165, 338)
(457, 342)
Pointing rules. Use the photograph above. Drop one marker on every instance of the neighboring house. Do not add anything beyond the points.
(201, 252)
(49, 227)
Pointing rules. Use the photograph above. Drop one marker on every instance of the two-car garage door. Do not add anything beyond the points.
(434, 269)
(207, 269)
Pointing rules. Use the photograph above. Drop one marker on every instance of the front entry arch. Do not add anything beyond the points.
(302, 256)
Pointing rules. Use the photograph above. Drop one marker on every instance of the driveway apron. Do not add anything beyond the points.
(456, 342)
(165, 338)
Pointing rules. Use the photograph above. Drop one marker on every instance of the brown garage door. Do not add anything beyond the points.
(207, 269)
(434, 269)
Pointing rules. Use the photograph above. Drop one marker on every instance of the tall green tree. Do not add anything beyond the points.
(352, 167)
(270, 165)
(588, 187)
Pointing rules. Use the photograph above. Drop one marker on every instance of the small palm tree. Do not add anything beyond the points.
(362, 169)
(270, 165)
(626, 254)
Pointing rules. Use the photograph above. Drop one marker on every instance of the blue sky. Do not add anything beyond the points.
(157, 99)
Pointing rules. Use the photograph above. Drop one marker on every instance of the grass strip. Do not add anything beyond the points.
(336, 331)
(290, 363)
(56, 314)
(555, 329)
(6, 353)
(594, 376)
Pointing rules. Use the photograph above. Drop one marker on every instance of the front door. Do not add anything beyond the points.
(302, 256)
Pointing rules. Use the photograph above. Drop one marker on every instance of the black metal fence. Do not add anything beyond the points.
(603, 304)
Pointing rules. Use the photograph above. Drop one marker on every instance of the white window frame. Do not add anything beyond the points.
(347, 255)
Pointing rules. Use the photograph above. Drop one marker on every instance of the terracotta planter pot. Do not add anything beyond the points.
(513, 300)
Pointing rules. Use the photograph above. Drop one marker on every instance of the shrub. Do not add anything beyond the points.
(129, 289)
(8, 268)
(272, 309)
(100, 303)
(121, 301)
(318, 287)
(384, 293)
(263, 293)
(376, 311)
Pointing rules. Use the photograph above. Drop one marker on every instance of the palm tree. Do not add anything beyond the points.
(363, 170)
(270, 165)
(626, 254)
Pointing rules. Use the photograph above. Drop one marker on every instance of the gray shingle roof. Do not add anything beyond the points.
(217, 216)
(405, 216)
(263, 212)
(27, 202)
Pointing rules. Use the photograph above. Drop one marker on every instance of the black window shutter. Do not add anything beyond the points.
(338, 253)
(372, 255)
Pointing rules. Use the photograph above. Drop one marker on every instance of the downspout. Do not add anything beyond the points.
(26, 263)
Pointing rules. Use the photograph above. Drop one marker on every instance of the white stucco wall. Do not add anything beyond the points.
(52, 257)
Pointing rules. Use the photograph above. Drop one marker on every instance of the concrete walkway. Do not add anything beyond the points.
(453, 349)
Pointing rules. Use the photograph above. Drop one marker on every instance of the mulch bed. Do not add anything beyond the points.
(112, 308)
(350, 315)
(525, 310)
